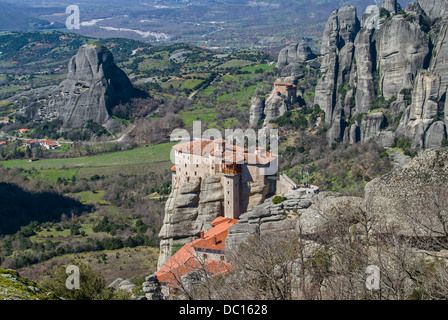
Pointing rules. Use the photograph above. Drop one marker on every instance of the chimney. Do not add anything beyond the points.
(202, 234)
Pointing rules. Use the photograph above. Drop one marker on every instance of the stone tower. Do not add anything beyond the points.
(231, 185)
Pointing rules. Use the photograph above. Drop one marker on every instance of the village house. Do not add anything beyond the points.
(31, 143)
(50, 145)
(6, 121)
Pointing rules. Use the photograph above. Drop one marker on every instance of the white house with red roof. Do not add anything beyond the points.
(49, 144)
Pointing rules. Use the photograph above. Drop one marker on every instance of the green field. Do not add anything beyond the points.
(154, 158)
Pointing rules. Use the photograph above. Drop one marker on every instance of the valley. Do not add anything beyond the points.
(86, 171)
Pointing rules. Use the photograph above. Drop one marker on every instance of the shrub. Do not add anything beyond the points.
(278, 199)
(176, 247)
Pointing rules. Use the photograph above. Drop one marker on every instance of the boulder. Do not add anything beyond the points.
(294, 54)
(435, 135)
(392, 6)
(122, 284)
(403, 200)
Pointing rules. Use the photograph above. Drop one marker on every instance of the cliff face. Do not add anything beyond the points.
(392, 57)
(94, 85)
(408, 200)
(292, 55)
(190, 208)
(337, 58)
(382, 76)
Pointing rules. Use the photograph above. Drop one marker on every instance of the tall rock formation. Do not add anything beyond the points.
(94, 85)
(337, 50)
(403, 49)
(393, 64)
(190, 208)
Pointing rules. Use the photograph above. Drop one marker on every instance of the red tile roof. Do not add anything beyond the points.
(49, 142)
(232, 153)
(30, 141)
(185, 260)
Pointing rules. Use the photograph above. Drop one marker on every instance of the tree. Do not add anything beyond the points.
(92, 285)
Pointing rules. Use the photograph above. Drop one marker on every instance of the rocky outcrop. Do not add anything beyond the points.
(391, 5)
(256, 110)
(316, 219)
(402, 50)
(267, 218)
(94, 85)
(434, 8)
(189, 209)
(275, 104)
(122, 284)
(439, 61)
(395, 62)
(15, 287)
(337, 50)
(404, 200)
(293, 54)
(371, 125)
(425, 109)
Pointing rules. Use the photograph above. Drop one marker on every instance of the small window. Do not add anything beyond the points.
(228, 202)
(228, 192)
(195, 173)
(197, 166)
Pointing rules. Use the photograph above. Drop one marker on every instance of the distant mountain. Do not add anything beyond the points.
(209, 23)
